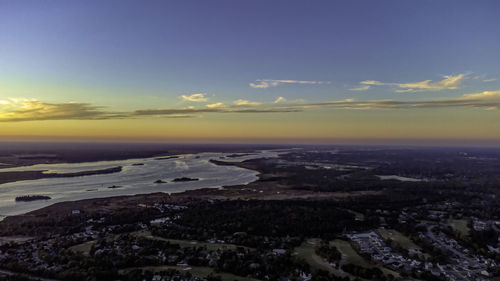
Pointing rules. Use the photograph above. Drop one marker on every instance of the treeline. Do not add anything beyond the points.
(299, 218)
(329, 253)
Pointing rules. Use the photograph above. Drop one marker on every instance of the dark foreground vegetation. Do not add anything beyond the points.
(323, 214)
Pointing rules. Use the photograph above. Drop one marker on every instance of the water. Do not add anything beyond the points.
(399, 178)
(133, 179)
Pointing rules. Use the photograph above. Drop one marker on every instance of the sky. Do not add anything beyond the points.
(371, 72)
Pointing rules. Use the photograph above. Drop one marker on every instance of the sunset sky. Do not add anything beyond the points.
(402, 71)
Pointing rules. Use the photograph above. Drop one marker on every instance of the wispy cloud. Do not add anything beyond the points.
(362, 88)
(489, 100)
(266, 83)
(486, 100)
(13, 110)
(246, 103)
(484, 78)
(17, 110)
(279, 99)
(215, 105)
(200, 97)
(189, 111)
(449, 82)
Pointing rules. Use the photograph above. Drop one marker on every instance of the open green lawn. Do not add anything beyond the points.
(349, 254)
(187, 243)
(83, 248)
(359, 216)
(306, 252)
(460, 226)
(198, 271)
(400, 238)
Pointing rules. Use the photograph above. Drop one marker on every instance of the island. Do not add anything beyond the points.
(235, 155)
(185, 179)
(166, 158)
(138, 164)
(114, 186)
(221, 163)
(160, 181)
(6, 177)
(29, 198)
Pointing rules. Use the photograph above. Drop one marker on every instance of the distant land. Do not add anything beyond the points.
(314, 212)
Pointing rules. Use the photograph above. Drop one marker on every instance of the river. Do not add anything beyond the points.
(138, 176)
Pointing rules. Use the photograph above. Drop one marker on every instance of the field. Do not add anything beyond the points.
(397, 236)
(83, 248)
(15, 239)
(349, 255)
(306, 252)
(197, 271)
(460, 226)
(187, 243)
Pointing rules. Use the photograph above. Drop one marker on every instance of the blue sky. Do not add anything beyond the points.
(133, 55)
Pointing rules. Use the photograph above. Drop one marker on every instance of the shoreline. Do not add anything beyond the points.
(261, 189)
(9, 177)
(218, 180)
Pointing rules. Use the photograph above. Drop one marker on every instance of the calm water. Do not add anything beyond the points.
(133, 179)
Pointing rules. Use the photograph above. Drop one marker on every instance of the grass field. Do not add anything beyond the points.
(83, 248)
(400, 238)
(460, 226)
(198, 271)
(187, 243)
(306, 252)
(349, 254)
(359, 216)
(397, 236)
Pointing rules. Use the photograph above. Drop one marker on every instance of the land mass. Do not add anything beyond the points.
(28, 198)
(311, 215)
(6, 177)
(183, 179)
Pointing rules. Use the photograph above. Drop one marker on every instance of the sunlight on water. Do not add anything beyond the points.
(138, 176)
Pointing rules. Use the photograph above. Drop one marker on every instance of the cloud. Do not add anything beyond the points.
(178, 116)
(449, 82)
(13, 110)
(362, 88)
(188, 111)
(266, 83)
(215, 105)
(200, 97)
(371, 82)
(17, 110)
(484, 79)
(487, 100)
(246, 103)
(279, 99)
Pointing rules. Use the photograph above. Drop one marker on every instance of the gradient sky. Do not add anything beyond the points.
(251, 71)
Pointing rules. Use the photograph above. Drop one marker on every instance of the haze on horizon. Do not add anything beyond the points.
(383, 72)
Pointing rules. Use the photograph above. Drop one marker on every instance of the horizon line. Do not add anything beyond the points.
(424, 142)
